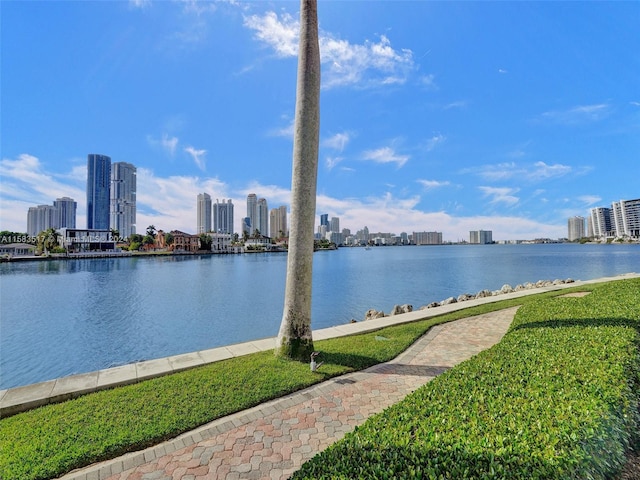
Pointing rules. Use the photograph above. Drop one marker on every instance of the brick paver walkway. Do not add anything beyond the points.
(272, 440)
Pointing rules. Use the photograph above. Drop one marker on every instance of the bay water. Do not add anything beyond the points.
(63, 317)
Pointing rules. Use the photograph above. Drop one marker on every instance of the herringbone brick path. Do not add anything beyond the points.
(272, 441)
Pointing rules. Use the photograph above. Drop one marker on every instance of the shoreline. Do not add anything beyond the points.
(26, 397)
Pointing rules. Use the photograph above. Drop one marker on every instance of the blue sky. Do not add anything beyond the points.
(435, 116)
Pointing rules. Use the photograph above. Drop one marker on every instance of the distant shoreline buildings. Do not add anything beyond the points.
(622, 220)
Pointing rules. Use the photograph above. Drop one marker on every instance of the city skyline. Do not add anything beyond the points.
(449, 117)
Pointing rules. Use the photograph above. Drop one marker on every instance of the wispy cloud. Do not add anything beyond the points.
(429, 81)
(536, 172)
(139, 3)
(589, 200)
(578, 114)
(337, 142)
(333, 161)
(500, 195)
(432, 184)
(385, 155)
(166, 143)
(456, 104)
(286, 132)
(372, 63)
(198, 156)
(435, 141)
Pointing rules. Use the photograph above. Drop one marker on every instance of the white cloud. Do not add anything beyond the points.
(364, 65)
(169, 143)
(337, 142)
(536, 172)
(333, 161)
(279, 33)
(286, 132)
(169, 203)
(578, 114)
(434, 141)
(429, 81)
(432, 184)
(589, 200)
(456, 104)
(500, 195)
(385, 155)
(166, 143)
(198, 156)
(139, 3)
(26, 183)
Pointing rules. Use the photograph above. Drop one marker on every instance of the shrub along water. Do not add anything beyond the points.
(557, 398)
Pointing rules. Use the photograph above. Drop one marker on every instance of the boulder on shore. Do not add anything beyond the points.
(400, 309)
(373, 313)
(448, 301)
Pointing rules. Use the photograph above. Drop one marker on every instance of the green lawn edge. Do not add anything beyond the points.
(557, 398)
(55, 439)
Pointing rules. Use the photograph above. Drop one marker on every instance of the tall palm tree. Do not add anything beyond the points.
(294, 338)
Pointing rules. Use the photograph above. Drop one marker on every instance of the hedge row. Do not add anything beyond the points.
(557, 398)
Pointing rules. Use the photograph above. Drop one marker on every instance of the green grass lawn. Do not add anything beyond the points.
(557, 398)
(55, 439)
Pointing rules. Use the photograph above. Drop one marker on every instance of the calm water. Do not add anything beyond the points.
(63, 317)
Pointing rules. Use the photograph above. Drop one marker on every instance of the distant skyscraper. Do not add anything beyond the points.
(40, 218)
(223, 217)
(65, 212)
(204, 213)
(334, 224)
(481, 237)
(252, 211)
(123, 199)
(576, 228)
(427, 238)
(262, 218)
(324, 220)
(626, 217)
(98, 187)
(61, 215)
(601, 224)
(278, 222)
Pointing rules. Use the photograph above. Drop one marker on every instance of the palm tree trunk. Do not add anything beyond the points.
(294, 338)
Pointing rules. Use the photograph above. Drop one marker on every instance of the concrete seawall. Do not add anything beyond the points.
(20, 399)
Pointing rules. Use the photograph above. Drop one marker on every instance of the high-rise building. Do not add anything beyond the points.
(278, 222)
(223, 216)
(576, 228)
(204, 213)
(334, 224)
(123, 199)
(40, 218)
(427, 238)
(65, 212)
(62, 214)
(481, 237)
(252, 211)
(98, 187)
(262, 218)
(626, 217)
(601, 224)
(324, 220)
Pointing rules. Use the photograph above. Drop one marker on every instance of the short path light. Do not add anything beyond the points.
(314, 365)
